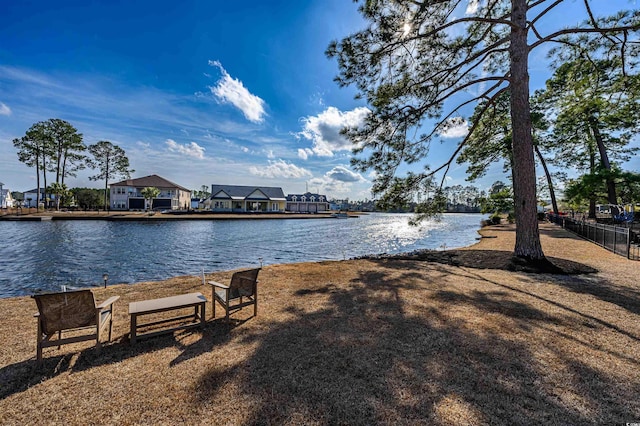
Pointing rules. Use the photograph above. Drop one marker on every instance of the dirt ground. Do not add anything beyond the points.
(458, 337)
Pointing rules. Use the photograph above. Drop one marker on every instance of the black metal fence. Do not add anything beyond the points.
(618, 239)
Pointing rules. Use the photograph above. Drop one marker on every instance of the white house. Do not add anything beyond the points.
(237, 198)
(6, 199)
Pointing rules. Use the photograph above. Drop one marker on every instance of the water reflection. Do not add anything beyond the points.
(45, 255)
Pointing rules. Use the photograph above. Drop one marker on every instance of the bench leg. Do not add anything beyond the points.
(203, 316)
(133, 328)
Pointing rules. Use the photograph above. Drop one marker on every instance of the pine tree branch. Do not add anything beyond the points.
(602, 31)
(484, 109)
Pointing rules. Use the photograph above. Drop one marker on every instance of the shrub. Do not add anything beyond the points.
(495, 219)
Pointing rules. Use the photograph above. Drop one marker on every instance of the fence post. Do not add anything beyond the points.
(628, 243)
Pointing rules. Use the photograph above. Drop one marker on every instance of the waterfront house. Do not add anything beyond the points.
(6, 199)
(307, 203)
(30, 198)
(238, 198)
(127, 195)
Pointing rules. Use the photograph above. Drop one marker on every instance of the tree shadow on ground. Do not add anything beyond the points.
(493, 259)
(375, 353)
(18, 377)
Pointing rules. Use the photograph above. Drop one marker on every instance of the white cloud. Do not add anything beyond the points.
(329, 187)
(455, 128)
(324, 130)
(337, 182)
(4, 109)
(343, 174)
(231, 90)
(472, 7)
(304, 153)
(280, 169)
(244, 149)
(270, 154)
(191, 149)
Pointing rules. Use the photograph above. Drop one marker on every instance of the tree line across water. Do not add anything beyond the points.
(55, 146)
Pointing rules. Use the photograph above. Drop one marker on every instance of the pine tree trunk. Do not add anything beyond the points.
(592, 169)
(552, 192)
(524, 184)
(37, 179)
(604, 160)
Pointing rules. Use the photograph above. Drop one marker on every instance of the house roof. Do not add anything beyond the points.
(242, 192)
(151, 180)
(307, 196)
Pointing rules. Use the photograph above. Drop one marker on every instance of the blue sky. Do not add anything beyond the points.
(200, 92)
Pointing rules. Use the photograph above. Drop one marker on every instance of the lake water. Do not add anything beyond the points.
(36, 256)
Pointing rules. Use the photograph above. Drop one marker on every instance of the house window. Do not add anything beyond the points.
(274, 207)
(322, 198)
(304, 198)
(294, 198)
(313, 198)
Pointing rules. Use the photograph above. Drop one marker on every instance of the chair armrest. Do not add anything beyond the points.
(108, 302)
(216, 284)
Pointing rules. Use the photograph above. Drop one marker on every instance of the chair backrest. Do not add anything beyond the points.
(67, 310)
(243, 283)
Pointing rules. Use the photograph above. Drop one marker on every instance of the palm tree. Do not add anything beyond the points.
(149, 193)
(59, 190)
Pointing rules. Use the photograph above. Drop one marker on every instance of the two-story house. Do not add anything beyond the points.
(30, 198)
(307, 203)
(127, 195)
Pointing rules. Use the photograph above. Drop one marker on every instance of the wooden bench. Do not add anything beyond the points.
(147, 307)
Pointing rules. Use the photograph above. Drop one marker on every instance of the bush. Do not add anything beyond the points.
(511, 218)
(542, 216)
(495, 219)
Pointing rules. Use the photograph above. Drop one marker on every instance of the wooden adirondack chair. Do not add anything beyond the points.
(242, 291)
(73, 310)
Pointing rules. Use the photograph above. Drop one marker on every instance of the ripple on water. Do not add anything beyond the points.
(45, 255)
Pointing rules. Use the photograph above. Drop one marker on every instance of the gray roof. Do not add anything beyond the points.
(308, 196)
(151, 180)
(239, 191)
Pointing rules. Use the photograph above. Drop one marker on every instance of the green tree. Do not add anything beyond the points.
(595, 105)
(87, 198)
(18, 197)
(492, 140)
(111, 162)
(415, 64)
(35, 149)
(593, 186)
(149, 193)
(67, 148)
(59, 190)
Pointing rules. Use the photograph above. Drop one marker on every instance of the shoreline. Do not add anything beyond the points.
(145, 216)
